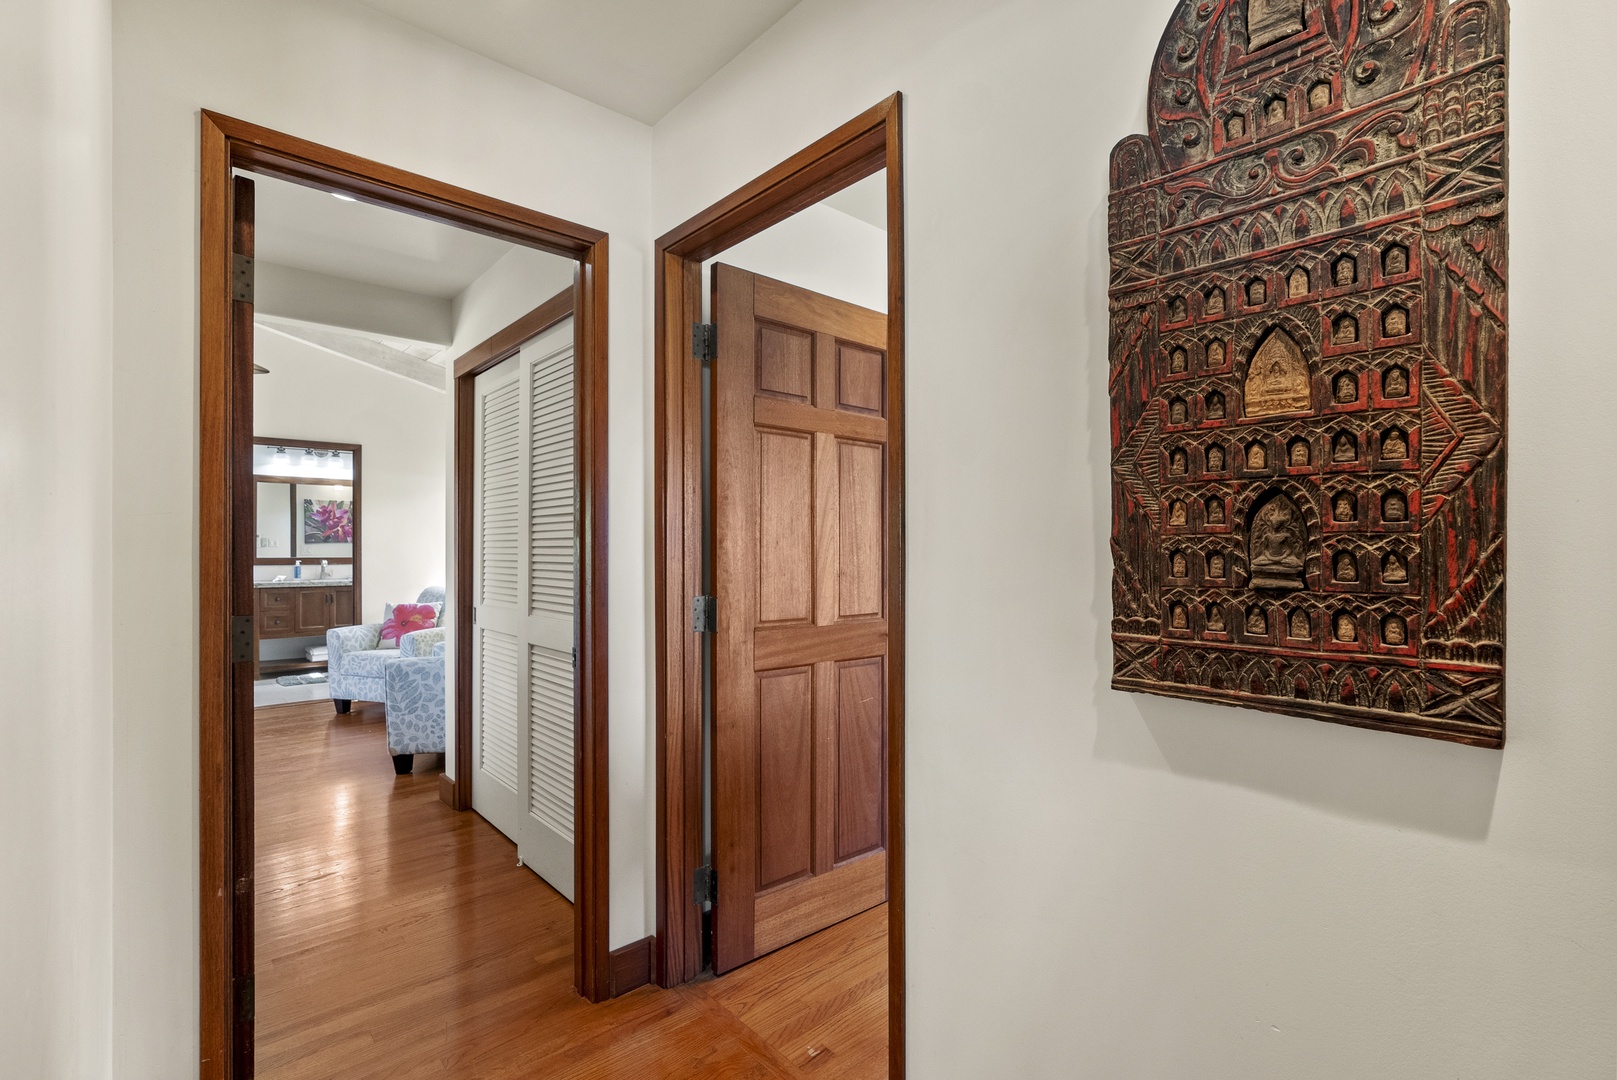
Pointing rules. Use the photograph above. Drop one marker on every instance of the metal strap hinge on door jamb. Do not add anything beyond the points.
(241, 279)
(705, 342)
(705, 885)
(705, 615)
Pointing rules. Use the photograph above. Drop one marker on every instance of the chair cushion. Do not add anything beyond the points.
(369, 664)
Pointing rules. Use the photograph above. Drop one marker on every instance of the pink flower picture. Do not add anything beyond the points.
(328, 521)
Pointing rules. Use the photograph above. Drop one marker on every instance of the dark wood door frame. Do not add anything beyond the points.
(860, 148)
(226, 806)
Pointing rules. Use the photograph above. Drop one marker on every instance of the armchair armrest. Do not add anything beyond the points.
(422, 642)
(350, 639)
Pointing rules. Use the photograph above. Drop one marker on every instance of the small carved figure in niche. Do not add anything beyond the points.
(1395, 262)
(1394, 631)
(1319, 96)
(1345, 508)
(1275, 112)
(1215, 354)
(1347, 389)
(1235, 128)
(1179, 362)
(1301, 454)
(1344, 449)
(1395, 323)
(1257, 622)
(1215, 406)
(1395, 447)
(1395, 507)
(1395, 383)
(1180, 617)
(1257, 293)
(1257, 457)
(1216, 566)
(1178, 463)
(1178, 411)
(1215, 619)
(1345, 330)
(1215, 511)
(1177, 311)
(1278, 380)
(1299, 284)
(1346, 271)
(1181, 565)
(1347, 568)
(1215, 302)
(1275, 544)
(1300, 628)
(1394, 570)
(1215, 459)
(1347, 628)
(1176, 513)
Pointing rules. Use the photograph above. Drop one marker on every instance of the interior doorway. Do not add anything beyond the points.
(238, 598)
(780, 581)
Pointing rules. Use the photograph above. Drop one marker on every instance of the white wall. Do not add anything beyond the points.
(522, 280)
(1103, 885)
(403, 428)
(821, 249)
(56, 897)
(339, 74)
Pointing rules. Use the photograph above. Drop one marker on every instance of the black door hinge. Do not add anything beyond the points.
(241, 279)
(705, 885)
(705, 341)
(246, 1006)
(241, 638)
(705, 615)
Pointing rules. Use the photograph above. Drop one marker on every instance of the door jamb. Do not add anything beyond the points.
(228, 144)
(869, 143)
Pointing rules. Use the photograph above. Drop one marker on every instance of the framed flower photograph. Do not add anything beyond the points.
(325, 521)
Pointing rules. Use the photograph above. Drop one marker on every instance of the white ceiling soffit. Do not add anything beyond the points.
(866, 200)
(636, 57)
(359, 348)
(314, 230)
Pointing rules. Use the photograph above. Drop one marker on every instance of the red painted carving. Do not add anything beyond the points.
(1308, 360)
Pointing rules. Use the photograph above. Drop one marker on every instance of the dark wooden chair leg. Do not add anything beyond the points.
(344, 706)
(403, 764)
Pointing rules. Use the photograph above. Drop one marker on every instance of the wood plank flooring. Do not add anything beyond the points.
(397, 939)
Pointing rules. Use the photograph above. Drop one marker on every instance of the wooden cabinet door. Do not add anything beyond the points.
(314, 611)
(342, 608)
(800, 475)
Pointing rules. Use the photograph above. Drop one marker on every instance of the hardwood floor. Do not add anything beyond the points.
(398, 939)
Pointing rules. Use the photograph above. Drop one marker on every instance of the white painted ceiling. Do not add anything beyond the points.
(636, 57)
(315, 230)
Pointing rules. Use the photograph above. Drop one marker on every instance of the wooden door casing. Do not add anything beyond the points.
(801, 468)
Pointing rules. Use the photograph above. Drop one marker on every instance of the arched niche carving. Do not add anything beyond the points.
(1277, 543)
(1278, 379)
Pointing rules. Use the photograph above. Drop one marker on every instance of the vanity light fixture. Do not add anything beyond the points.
(281, 460)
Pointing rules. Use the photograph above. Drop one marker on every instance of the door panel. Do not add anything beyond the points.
(800, 659)
(527, 558)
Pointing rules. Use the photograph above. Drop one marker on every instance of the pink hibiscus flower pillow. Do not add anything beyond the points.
(407, 619)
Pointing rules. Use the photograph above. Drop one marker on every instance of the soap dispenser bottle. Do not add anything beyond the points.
(297, 570)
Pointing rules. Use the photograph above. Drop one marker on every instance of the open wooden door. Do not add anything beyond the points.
(801, 469)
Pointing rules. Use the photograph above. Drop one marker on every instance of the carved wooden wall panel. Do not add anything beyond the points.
(1308, 359)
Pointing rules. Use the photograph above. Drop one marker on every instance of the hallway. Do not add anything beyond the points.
(399, 939)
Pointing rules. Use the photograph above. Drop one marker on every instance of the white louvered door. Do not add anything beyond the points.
(500, 472)
(546, 840)
(526, 546)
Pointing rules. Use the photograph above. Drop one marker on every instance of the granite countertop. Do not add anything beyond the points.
(303, 583)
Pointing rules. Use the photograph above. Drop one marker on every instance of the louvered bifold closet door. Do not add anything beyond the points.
(500, 500)
(546, 841)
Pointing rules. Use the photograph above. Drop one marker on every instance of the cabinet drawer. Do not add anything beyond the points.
(275, 623)
(275, 599)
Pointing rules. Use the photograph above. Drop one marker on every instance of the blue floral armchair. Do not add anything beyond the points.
(417, 705)
(356, 661)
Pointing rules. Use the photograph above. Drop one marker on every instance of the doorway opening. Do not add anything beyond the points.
(323, 707)
(780, 398)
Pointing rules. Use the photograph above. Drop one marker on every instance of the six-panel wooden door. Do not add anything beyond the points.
(800, 478)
